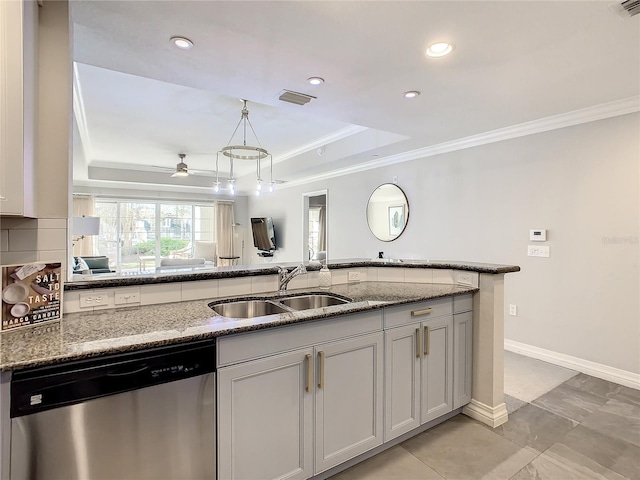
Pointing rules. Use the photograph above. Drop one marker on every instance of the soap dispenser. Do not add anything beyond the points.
(324, 277)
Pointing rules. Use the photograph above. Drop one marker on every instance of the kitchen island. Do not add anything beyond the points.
(477, 317)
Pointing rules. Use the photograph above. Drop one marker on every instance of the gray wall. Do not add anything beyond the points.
(478, 204)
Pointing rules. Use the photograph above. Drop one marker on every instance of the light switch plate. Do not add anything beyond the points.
(537, 250)
(127, 297)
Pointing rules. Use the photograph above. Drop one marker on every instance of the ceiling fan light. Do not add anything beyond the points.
(439, 49)
(182, 170)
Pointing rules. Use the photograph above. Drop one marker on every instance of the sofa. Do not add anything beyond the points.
(89, 265)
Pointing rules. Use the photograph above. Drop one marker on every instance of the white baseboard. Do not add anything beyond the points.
(612, 374)
(492, 416)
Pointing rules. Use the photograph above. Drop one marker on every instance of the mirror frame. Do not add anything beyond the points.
(305, 222)
(406, 216)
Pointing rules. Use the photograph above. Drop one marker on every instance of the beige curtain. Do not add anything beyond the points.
(224, 229)
(83, 206)
(322, 229)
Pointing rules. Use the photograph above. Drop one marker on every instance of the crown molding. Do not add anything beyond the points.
(555, 122)
(320, 142)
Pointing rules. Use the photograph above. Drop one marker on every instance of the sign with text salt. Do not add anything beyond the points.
(31, 294)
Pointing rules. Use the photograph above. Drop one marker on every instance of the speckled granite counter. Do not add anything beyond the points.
(195, 274)
(84, 335)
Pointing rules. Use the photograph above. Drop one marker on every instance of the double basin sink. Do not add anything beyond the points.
(271, 306)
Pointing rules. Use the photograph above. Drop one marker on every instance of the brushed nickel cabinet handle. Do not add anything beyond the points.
(309, 372)
(427, 340)
(418, 349)
(321, 380)
(424, 311)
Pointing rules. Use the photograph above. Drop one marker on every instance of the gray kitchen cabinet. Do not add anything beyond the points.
(18, 59)
(295, 414)
(427, 363)
(265, 416)
(349, 396)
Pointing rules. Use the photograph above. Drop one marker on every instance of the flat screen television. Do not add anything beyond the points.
(264, 237)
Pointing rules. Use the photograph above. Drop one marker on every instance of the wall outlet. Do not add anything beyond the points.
(353, 277)
(464, 278)
(93, 300)
(537, 251)
(513, 310)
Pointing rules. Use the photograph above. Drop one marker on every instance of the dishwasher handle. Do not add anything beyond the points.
(120, 373)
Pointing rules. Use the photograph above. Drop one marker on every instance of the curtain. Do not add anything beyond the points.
(322, 229)
(224, 229)
(83, 206)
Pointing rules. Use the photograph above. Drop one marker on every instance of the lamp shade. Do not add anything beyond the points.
(86, 226)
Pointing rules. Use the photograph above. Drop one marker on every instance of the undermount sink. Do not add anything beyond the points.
(248, 309)
(305, 302)
(272, 306)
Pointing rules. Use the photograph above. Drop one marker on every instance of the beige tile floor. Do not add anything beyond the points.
(563, 425)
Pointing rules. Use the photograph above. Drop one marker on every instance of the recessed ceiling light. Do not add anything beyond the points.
(182, 43)
(411, 94)
(315, 80)
(439, 49)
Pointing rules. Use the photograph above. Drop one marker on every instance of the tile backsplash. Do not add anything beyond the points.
(24, 240)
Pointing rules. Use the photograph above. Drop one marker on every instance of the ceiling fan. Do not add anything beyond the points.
(182, 169)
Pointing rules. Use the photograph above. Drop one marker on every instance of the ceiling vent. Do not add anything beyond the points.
(626, 9)
(297, 98)
(632, 7)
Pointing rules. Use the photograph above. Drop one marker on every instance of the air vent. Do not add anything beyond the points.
(295, 97)
(632, 7)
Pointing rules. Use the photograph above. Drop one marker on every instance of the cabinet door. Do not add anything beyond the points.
(265, 418)
(462, 347)
(403, 349)
(348, 399)
(437, 368)
(18, 58)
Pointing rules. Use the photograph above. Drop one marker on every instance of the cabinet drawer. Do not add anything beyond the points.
(252, 345)
(417, 312)
(462, 303)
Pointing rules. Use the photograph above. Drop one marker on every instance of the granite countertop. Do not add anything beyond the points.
(84, 335)
(186, 274)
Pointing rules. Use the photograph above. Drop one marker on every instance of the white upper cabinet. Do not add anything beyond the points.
(18, 61)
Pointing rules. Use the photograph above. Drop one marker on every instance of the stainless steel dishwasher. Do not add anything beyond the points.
(134, 416)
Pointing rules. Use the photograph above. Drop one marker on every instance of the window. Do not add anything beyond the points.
(135, 235)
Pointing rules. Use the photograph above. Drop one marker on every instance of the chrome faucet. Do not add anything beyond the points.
(284, 277)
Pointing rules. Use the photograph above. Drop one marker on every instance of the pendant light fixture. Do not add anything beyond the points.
(244, 152)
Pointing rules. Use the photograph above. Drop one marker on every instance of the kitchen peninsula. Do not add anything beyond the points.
(461, 297)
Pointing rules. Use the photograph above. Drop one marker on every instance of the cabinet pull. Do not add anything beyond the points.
(427, 339)
(309, 373)
(418, 349)
(424, 311)
(321, 379)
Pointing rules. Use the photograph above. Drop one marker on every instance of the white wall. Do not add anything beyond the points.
(478, 204)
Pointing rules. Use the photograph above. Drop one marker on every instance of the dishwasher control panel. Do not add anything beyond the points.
(38, 389)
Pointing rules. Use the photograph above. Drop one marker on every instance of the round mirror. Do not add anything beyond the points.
(387, 212)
